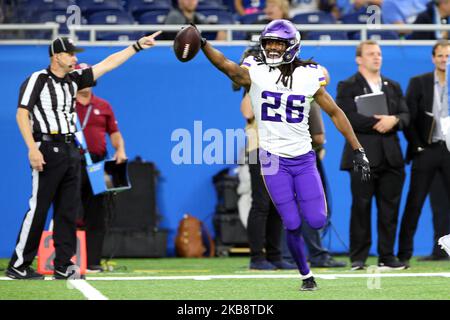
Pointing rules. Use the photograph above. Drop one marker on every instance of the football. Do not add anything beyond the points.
(187, 43)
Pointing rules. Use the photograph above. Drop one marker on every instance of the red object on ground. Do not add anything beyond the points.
(46, 253)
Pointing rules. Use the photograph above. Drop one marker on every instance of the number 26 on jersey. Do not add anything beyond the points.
(293, 103)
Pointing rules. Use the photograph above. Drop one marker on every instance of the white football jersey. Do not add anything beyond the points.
(282, 113)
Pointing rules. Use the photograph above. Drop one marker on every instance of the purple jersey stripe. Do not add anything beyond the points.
(322, 79)
(246, 64)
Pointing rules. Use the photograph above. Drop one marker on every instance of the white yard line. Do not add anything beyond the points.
(270, 276)
(81, 285)
(262, 276)
(87, 290)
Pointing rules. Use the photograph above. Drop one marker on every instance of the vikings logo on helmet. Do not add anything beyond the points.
(281, 30)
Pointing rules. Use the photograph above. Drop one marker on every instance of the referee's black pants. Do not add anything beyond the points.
(386, 184)
(434, 158)
(57, 184)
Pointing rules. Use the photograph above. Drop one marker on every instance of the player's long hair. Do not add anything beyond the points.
(287, 70)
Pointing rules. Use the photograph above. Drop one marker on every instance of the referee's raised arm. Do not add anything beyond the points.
(116, 59)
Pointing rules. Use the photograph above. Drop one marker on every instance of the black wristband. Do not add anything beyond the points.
(137, 47)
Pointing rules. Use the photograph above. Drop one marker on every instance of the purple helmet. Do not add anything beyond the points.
(282, 30)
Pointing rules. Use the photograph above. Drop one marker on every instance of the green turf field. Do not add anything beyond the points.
(229, 278)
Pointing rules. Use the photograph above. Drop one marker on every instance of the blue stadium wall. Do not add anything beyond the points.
(153, 95)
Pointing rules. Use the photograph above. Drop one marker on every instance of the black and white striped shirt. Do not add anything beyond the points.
(51, 100)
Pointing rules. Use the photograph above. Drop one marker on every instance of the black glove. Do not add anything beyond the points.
(202, 39)
(360, 162)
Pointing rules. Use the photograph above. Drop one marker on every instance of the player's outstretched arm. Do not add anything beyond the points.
(326, 102)
(341, 122)
(237, 74)
(116, 59)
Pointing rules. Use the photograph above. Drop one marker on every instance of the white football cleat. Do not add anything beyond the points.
(444, 242)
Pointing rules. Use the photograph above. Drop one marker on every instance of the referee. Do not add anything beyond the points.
(46, 118)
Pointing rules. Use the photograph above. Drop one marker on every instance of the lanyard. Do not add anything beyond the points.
(86, 118)
(446, 82)
(80, 136)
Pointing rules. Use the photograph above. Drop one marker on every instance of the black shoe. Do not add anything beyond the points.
(94, 269)
(70, 271)
(328, 263)
(261, 265)
(392, 265)
(284, 265)
(309, 284)
(358, 265)
(406, 263)
(433, 258)
(23, 274)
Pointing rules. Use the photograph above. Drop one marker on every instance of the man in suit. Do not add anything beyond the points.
(378, 136)
(427, 98)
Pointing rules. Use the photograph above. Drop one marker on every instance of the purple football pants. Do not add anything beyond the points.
(296, 189)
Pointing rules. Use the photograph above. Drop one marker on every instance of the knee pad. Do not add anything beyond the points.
(317, 221)
(292, 224)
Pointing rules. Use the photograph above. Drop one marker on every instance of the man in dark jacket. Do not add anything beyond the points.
(437, 12)
(427, 97)
(378, 136)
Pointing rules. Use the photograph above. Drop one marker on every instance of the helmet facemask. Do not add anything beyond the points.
(280, 30)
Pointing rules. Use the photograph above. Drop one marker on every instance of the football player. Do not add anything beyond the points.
(444, 242)
(281, 88)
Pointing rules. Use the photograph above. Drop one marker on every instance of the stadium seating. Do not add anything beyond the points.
(230, 5)
(355, 18)
(120, 36)
(114, 18)
(110, 17)
(44, 5)
(382, 35)
(251, 18)
(210, 5)
(375, 35)
(89, 7)
(58, 16)
(138, 7)
(359, 17)
(153, 17)
(25, 11)
(326, 35)
(217, 16)
(317, 17)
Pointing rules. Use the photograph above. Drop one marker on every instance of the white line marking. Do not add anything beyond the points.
(265, 276)
(87, 290)
(269, 276)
